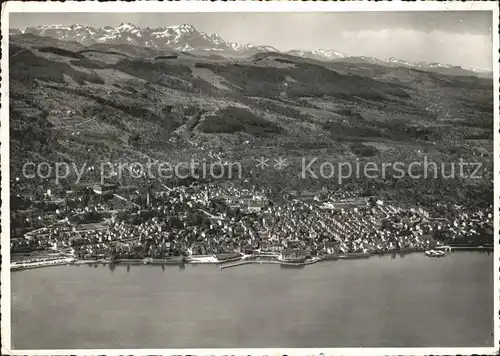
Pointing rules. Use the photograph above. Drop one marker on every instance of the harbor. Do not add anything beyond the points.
(235, 259)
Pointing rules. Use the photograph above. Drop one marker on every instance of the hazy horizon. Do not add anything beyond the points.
(461, 38)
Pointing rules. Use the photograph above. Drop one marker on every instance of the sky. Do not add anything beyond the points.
(450, 37)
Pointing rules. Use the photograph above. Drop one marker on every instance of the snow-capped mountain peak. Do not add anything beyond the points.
(183, 37)
(184, 28)
(328, 53)
(216, 38)
(125, 26)
(319, 54)
(424, 65)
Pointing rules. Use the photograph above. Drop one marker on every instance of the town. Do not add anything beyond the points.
(219, 222)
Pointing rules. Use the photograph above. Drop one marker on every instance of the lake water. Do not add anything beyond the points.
(382, 301)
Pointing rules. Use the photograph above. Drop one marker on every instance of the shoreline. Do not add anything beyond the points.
(234, 262)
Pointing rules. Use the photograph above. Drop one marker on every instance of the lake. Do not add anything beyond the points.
(387, 301)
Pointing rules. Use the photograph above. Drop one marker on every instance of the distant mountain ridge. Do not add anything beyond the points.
(319, 54)
(180, 38)
(187, 38)
(434, 66)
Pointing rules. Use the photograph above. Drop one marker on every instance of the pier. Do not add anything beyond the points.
(274, 262)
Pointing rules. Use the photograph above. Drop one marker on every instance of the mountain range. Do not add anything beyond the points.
(115, 101)
(183, 37)
(186, 38)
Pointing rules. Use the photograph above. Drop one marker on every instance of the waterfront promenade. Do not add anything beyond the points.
(234, 262)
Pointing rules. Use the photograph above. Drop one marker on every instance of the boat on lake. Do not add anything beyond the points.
(434, 253)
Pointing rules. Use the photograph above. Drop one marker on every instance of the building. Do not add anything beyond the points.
(105, 189)
(227, 256)
(303, 195)
(292, 255)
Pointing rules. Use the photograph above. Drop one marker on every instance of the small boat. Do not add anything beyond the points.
(434, 253)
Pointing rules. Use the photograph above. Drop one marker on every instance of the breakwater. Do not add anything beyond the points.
(276, 262)
(16, 266)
